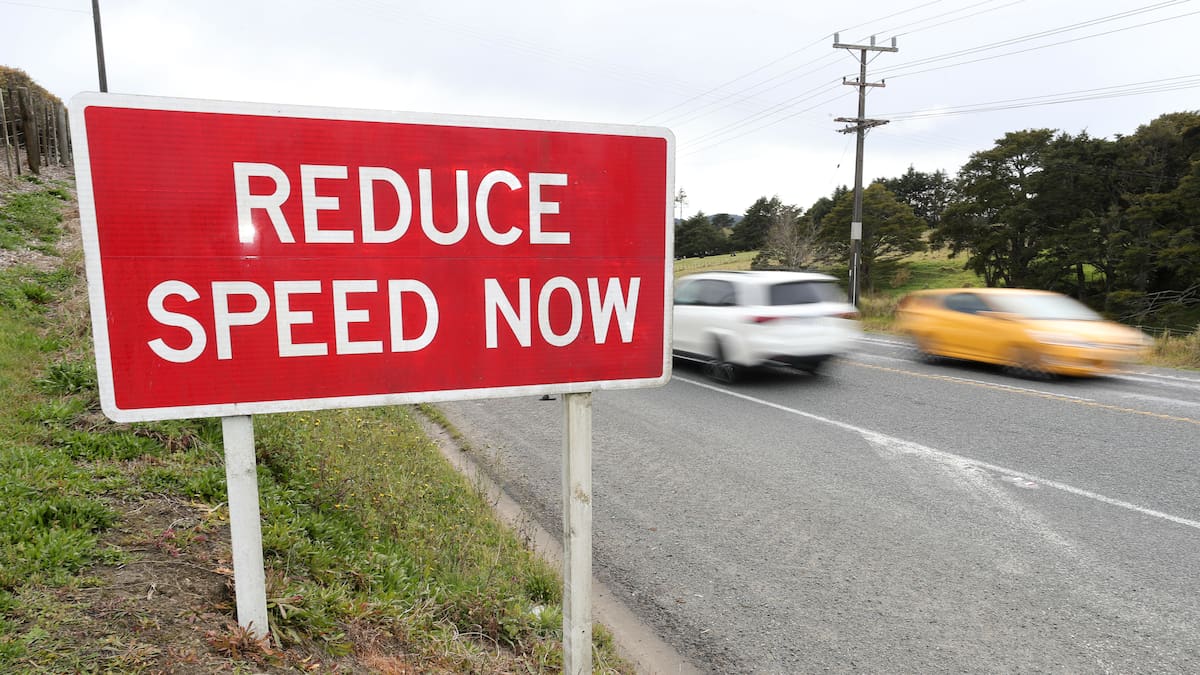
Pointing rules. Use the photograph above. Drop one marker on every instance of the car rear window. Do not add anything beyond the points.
(805, 292)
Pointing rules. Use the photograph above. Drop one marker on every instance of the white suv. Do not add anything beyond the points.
(734, 320)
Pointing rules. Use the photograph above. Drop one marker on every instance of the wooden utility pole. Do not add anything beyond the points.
(859, 125)
(99, 46)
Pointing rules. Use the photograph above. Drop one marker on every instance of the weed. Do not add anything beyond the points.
(877, 310)
(120, 445)
(206, 483)
(1178, 351)
(57, 413)
(162, 479)
(29, 290)
(239, 643)
(69, 377)
(70, 513)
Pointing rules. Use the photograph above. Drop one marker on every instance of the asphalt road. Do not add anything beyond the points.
(891, 516)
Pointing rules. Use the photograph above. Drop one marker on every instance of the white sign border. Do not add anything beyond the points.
(95, 278)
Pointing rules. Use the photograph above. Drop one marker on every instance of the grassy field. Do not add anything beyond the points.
(114, 548)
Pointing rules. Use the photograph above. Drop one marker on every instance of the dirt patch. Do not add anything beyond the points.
(169, 607)
(171, 598)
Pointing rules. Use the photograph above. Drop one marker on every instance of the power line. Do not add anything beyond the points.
(731, 81)
(770, 124)
(1053, 44)
(740, 100)
(1115, 91)
(894, 32)
(774, 110)
(911, 116)
(1034, 36)
(752, 87)
(37, 6)
(802, 98)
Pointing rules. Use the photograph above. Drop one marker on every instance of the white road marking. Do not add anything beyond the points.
(884, 341)
(997, 385)
(1161, 399)
(1161, 379)
(944, 457)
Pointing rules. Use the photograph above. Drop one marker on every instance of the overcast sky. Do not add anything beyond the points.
(750, 89)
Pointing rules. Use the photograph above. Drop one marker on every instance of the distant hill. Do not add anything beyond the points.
(735, 217)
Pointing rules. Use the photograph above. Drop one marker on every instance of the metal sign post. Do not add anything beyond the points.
(577, 533)
(245, 527)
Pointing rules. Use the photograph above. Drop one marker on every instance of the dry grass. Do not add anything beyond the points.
(1177, 351)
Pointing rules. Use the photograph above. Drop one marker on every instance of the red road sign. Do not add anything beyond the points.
(246, 258)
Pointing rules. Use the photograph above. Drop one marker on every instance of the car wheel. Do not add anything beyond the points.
(1027, 363)
(819, 367)
(718, 369)
(922, 349)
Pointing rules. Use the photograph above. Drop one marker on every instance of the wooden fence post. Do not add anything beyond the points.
(64, 136)
(4, 132)
(15, 102)
(55, 154)
(33, 148)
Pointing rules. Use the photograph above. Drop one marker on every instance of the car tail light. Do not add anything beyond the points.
(764, 319)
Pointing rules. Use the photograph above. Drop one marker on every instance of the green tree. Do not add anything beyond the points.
(751, 232)
(824, 205)
(1172, 220)
(1158, 155)
(723, 222)
(890, 231)
(993, 218)
(1077, 195)
(1154, 160)
(699, 236)
(927, 193)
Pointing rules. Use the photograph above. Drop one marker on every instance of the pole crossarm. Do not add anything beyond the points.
(838, 44)
(858, 124)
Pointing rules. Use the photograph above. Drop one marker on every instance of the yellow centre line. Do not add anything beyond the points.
(1027, 392)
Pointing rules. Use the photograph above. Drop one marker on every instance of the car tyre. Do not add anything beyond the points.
(922, 350)
(1025, 362)
(718, 369)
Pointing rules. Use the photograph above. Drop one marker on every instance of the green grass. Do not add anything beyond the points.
(734, 261)
(31, 219)
(386, 521)
(928, 269)
(376, 550)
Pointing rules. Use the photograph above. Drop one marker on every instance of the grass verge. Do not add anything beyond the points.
(114, 550)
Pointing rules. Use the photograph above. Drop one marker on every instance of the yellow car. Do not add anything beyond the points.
(1032, 333)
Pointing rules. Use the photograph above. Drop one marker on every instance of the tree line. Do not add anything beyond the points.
(1113, 222)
